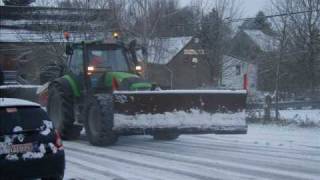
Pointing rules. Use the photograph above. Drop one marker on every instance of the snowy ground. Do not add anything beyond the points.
(266, 152)
(300, 117)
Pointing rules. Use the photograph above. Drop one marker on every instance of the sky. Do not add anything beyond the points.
(250, 7)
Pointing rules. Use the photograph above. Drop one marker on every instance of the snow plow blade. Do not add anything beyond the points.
(185, 111)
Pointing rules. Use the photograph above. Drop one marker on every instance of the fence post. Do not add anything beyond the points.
(267, 109)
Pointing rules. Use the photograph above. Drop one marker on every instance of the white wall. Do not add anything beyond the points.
(233, 71)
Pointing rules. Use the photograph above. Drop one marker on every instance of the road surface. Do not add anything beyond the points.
(267, 152)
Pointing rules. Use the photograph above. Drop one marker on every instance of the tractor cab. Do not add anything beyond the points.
(103, 64)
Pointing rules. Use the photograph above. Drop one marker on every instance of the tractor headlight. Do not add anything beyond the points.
(90, 68)
(138, 68)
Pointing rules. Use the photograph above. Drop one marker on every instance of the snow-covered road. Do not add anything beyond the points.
(266, 152)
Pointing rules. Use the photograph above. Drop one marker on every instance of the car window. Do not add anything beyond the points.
(25, 118)
(112, 58)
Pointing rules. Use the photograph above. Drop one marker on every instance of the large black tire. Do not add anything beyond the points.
(60, 110)
(165, 135)
(99, 121)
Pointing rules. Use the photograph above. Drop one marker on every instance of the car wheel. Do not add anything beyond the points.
(99, 121)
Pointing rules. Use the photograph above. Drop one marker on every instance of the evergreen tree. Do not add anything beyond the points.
(260, 22)
(215, 37)
(18, 2)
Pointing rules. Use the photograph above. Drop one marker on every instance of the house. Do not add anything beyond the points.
(178, 63)
(250, 44)
(239, 74)
(253, 46)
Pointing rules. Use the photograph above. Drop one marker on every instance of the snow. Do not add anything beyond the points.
(266, 152)
(12, 157)
(53, 148)
(162, 50)
(300, 117)
(180, 120)
(265, 42)
(183, 92)
(19, 86)
(15, 35)
(32, 155)
(13, 102)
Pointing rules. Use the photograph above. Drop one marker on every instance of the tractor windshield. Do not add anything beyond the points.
(113, 59)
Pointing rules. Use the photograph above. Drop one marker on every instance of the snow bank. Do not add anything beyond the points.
(180, 119)
(302, 117)
(299, 117)
(183, 92)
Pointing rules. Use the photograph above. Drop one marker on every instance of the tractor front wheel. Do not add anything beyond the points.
(60, 110)
(99, 121)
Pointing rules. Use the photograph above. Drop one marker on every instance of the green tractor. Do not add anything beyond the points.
(101, 90)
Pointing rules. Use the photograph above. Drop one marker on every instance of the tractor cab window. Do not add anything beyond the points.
(76, 64)
(112, 59)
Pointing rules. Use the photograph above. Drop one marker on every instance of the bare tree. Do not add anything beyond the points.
(303, 30)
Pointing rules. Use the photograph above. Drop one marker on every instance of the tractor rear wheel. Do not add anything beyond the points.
(165, 135)
(60, 110)
(99, 121)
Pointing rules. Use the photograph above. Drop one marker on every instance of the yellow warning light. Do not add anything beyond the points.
(115, 35)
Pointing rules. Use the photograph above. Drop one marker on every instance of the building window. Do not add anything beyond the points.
(194, 60)
(238, 70)
(196, 40)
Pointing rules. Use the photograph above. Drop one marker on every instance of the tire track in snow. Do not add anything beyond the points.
(123, 160)
(246, 146)
(246, 170)
(241, 149)
(98, 170)
(76, 171)
(236, 167)
(279, 148)
(273, 163)
(121, 170)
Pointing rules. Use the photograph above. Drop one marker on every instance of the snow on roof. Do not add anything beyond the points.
(163, 50)
(13, 102)
(265, 42)
(15, 35)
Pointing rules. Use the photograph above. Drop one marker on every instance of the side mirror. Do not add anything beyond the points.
(69, 49)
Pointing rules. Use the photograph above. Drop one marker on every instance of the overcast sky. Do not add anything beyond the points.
(250, 7)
